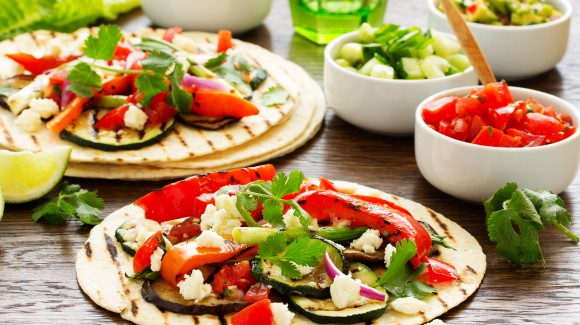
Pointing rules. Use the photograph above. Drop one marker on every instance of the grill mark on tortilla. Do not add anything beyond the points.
(469, 269)
(179, 137)
(7, 134)
(88, 250)
(111, 249)
(249, 130)
(209, 143)
(35, 140)
(443, 302)
(134, 307)
(441, 224)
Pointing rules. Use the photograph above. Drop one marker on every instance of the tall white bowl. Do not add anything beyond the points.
(237, 16)
(517, 52)
(379, 105)
(473, 172)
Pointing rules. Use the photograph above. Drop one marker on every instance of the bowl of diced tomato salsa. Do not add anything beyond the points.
(471, 141)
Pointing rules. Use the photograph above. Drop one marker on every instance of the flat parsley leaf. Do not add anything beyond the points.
(270, 195)
(302, 251)
(397, 278)
(275, 96)
(103, 46)
(83, 80)
(73, 201)
(514, 218)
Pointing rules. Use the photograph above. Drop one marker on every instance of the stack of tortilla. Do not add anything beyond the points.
(275, 131)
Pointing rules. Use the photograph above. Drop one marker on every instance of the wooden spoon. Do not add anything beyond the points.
(468, 42)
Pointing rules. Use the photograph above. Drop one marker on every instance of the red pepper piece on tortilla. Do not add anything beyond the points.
(438, 271)
(142, 258)
(186, 256)
(394, 223)
(177, 200)
(113, 120)
(224, 41)
(259, 313)
(70, 113)
(239, 275)
(216, 103)
(171, 32)
(36, 65)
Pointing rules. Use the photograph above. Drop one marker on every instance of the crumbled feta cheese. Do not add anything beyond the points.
(368, 242)
(209, 238)
(29, 121)
(156, 259)
(409, 305)
(184, 43)
(192, 286)
(344, 291)
(219, 220)
(21, 99)
(291, 220)
(436, 322)
(228, 203)
(135, 118)
(389, 250)
(282, 316)
(44, 106)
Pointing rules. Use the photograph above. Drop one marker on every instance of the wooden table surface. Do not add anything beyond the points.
(37, 277)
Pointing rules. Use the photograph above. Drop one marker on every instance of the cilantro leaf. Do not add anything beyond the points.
(179, 98)
(399, 274)
(73, 201)
(217, 61)
(270, 195)
(103, 46)
(83, 80)
(302, 251)
(274, 96)
(514, 218)
(158, 62)
(418, 289)
(150, 85)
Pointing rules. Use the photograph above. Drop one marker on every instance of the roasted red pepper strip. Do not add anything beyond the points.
(438, 271)
(36, 65)
(177, 200)
(142, 257)
(394, 224)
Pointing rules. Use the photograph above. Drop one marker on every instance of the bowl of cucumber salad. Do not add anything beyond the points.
(520, 38)
(375, 77)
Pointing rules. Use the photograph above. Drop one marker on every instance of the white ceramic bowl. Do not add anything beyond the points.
(208, 15)
(379, 105)
(517, 52)
(473, 172)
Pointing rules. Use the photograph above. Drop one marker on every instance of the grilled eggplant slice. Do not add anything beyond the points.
(206, 122)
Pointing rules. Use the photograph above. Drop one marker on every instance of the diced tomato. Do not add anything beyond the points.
(527, 139)
(477, 123)
(55, 86)
(113, 120)
(176, 200)
(499, 117)
(122, 51)
(468, 106)
(443, 109)
(171, 32)
(258, 291)
(472, 8)
(239, 275)
(142, 258)
(159, 111)
(36, 65)
(458, 128)
(438, 271)
(224, 41)
(259, 313)
(497, 94)
(184, 230)
(489, 136)
(544, 125)
(519, 117)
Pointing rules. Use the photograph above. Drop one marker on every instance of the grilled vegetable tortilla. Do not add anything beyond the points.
(101, 267)
(186, 147)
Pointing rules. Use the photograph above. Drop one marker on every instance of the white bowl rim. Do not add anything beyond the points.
(339, 40)
(419, 122)
(567, 14)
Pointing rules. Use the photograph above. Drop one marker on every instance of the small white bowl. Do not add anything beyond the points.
(238, 16)
(517, 52)
(473, 172)
(379, 105)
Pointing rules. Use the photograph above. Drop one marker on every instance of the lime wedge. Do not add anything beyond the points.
(26, 176)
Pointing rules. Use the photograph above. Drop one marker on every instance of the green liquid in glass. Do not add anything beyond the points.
(323, 20)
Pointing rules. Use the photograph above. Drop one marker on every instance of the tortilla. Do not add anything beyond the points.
(280, 140)
(185, 147)
(101, 267)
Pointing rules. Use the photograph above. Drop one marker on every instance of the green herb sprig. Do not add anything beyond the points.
(270, 195)
(515, 217)
(301, 251)
(73, 201)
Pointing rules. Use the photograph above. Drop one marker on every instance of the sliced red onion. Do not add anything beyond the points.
(201, 83)
(132, 58)
(66, 94)
(365, 291)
